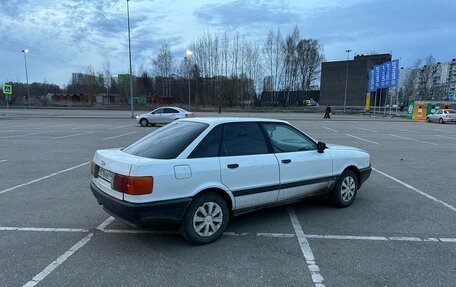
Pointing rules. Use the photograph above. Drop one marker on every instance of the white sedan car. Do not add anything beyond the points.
(163, 115)
(201, 171)
(442, 116)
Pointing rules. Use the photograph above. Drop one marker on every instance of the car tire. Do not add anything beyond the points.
(344, 193)
(441, 121)
(144, 122)
(205, 219)
(428, 120)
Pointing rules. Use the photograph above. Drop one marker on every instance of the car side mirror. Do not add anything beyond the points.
(321, 146)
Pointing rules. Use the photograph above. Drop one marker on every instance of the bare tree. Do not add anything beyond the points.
(107, 75)
(273, 55)
(409, 88)
(426, 78)
(310, 55)
(163, 63)
(290, 63)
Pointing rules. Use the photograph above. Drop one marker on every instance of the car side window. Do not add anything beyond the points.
(438, 112)
(159, 111)
(285, 138)
(170, 111)
(210, 145)
(243, 139)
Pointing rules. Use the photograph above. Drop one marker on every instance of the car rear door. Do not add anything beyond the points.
(248, 168)
(170, 115)
(303, 170)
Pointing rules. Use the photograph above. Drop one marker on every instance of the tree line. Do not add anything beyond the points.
(222, 69)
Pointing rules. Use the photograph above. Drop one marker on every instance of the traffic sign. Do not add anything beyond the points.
(7, 89)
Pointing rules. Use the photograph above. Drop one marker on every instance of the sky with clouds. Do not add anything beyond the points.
(66, 36)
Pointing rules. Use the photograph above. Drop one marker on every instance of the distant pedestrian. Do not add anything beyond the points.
(327, 112)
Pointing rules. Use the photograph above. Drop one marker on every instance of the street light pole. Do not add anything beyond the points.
(188, 54)
(346, 79)
(25, 51)
(129, 56)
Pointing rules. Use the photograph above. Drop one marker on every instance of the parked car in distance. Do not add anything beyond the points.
(442, 116)
(162, 115)
(201, 171)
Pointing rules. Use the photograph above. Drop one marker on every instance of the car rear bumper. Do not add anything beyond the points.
(365, 173)
(140, 214)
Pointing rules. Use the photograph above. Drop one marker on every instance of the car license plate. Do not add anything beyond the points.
(105, 174)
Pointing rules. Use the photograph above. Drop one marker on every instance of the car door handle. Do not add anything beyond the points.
(285, 161)
(233, 165)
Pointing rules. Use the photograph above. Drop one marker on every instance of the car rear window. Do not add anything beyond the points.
(167, 142)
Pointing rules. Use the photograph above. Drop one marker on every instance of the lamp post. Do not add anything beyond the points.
(346, 79)
(188, 54)
(25, 51)
(129, 56)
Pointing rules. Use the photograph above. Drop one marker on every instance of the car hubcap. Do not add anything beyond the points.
(348, 188)
(207, 219)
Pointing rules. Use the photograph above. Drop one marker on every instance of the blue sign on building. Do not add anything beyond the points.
(384, 76)
(371, 83)
(394, 73)
(377, 77)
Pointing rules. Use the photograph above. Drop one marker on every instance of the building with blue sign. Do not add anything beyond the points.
(334, 75)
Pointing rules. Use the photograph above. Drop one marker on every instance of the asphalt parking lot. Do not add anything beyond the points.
(400, 231)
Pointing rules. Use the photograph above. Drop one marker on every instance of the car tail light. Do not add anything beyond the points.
(189, 115)
(93, 169)
(133, 185)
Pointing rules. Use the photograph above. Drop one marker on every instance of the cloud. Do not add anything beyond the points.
(240, 13)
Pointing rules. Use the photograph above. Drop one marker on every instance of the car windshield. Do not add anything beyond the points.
(451, 112)
(167, 142)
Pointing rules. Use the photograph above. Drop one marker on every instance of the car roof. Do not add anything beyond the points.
(176, 108)
(223, 120)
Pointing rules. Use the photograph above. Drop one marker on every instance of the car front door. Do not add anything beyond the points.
(303, 170)
(157, 116)
(248, 167)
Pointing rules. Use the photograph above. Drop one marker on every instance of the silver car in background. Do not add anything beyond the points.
(442, 116)
(162, 115)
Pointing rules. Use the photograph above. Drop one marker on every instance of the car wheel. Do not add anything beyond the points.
(144, 122)
(205, 219)
(428, 120)
(441, 121)
(344, 192)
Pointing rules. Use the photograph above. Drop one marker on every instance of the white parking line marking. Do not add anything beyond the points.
(453, 240)
(280, 235)
(74, 135)
(3, 160)
(42, 178)
(25, 135)
(105, 223)
(118, 127)
(347, 237)
(43, 229)
(355, 137)
(133, 231)
(446, 137)
(56, 126)
(333, 130)
(317, 279)
(84, 127)
(51, 267)
(364, 129)
(108, 221)
(418, 141)
(109, 138)
(416, 190)
(403, 130)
